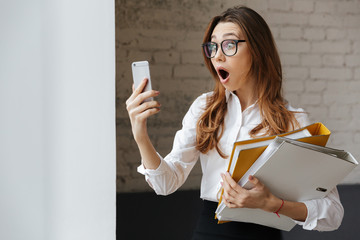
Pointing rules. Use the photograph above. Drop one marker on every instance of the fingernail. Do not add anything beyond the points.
(227, 173)
(251, 177)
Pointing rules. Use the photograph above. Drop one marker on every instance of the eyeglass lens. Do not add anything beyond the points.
(228, 47)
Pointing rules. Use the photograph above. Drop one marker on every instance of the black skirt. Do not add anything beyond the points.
(208, 228)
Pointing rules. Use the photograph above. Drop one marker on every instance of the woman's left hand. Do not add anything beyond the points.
(258, 197)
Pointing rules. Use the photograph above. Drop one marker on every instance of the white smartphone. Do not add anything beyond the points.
(141, 70)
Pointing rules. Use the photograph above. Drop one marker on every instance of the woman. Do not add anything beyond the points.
(247, 102)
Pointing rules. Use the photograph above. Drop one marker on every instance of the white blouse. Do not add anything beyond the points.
(323, 214)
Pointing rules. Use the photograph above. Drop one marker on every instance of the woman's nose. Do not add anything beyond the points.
(219, 56)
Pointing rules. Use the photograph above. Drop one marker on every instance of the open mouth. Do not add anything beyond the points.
(223, 74)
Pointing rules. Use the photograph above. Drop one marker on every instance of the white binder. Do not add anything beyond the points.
(294, 171)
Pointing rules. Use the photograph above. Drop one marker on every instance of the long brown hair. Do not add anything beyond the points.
(265, 71)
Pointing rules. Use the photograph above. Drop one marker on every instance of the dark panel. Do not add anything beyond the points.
(148, 216)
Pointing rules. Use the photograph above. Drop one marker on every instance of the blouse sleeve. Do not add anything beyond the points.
(176, 166)
(324, 214)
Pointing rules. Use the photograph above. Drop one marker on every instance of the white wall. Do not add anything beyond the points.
(57, 120)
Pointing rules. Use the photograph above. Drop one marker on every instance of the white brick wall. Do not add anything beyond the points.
(319, 45)
(314, 33)
(303, 6)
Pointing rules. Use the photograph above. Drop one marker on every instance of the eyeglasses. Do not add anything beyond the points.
(228, 47)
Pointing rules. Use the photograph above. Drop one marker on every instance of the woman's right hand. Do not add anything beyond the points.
(139, 110)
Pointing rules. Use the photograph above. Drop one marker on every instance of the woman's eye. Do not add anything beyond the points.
(230, 45)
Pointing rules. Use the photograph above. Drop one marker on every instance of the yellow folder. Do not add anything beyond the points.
(246, 157)
(319, 136)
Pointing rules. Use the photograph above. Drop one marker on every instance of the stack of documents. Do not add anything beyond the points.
(294, 170)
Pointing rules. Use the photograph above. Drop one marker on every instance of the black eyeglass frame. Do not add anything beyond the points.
(221, 45)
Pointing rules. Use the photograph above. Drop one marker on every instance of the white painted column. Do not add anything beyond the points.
(57, 123)
(21, 121)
